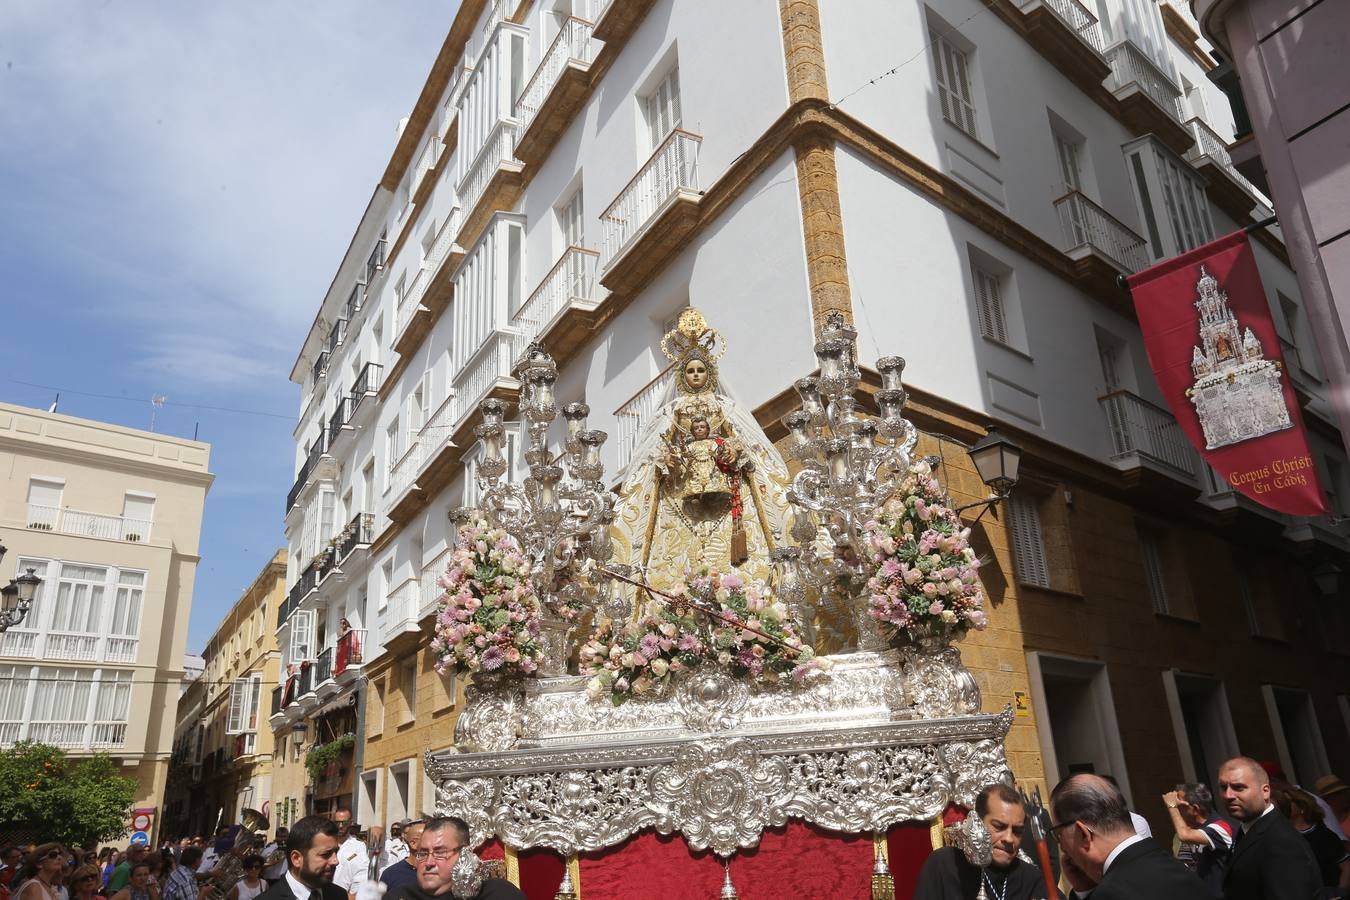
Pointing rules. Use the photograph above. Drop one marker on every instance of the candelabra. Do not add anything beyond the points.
(850, 466)
(559, 514)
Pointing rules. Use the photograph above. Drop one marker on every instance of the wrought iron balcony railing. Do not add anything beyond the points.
(671, 169)
(1084, 224)
(572, 278)
(1130, 65)
(1139, 427)
(572, 45)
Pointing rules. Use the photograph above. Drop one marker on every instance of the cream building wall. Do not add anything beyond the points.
(110, 519)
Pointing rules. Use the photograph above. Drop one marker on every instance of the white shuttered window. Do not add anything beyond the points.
(989, 304)
(239, 691)
(1024, 519)
(953, 82)
(663, 108)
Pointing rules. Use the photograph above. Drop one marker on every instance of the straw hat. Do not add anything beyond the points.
(1328, 785)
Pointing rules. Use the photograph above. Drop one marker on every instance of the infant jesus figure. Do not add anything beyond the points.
(702, 455)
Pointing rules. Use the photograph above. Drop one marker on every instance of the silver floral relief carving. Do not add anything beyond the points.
(939, 685)
(869, 790)
(491, 720)
(721, 795)
(712, 701)
(574, 810)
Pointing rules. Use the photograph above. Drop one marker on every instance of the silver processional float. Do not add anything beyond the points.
(715, 646)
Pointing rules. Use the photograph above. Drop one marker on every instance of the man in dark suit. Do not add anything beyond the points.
(1105, 855)
(438, 849)
(311, 858)
(1270, 861)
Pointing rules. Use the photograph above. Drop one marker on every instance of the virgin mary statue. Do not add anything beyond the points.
(705, 487)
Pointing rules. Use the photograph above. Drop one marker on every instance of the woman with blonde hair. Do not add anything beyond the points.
(84, 882)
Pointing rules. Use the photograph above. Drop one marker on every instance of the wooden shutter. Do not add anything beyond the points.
(1150, 552)
(989, 304)
(953, 78)
(1024, 520)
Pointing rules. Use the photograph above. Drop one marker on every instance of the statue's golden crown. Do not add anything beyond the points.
(692, 337)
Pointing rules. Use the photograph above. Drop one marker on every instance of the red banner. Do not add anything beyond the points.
(1216, 355)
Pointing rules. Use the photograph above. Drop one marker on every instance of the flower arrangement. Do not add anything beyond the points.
(638, 658)
(925, 587)
(488, 619)
(745, 651)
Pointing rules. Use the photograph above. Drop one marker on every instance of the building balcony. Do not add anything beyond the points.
(568, 288)
(491, 181)
(88, 524)
(336, 337)
(488, 373)
(652, 215)
(318, 464)
(1149, 101)
(1100, 245)
(339, 423)
(637, 411)
(431, 290)
(430, 592)
(67, 735)
(356, 536)
(307, 582)
(1227, 186)
(356, 301)
(304, 687)
(320, 369)
(349, 658)
(324, 685)
(276, 698)
(400, 613)
(616, 20)
(365, 387)
(1068, 34)
(64, 646)
(375, 262)
(556, 91)
(1145, 435)
(1180, 22)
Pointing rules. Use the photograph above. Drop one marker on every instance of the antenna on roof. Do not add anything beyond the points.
(157, 403)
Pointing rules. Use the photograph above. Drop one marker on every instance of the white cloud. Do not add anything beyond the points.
(209, 162)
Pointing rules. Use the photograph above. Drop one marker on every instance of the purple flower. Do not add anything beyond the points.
(493, 658)
(650, 646)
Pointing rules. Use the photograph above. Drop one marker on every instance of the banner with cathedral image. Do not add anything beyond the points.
(1216, 355)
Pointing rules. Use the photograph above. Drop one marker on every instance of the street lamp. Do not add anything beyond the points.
(1327, 577)
(16, 598)
(997, 460)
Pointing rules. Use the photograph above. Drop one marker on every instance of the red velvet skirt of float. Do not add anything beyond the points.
(798, 861)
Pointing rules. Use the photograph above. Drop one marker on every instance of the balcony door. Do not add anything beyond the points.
(1075, 718)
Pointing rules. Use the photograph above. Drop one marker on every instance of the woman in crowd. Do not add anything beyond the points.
(45, 874)
(84, 883)
(140, 887)
(1303, 812)
(252, 884)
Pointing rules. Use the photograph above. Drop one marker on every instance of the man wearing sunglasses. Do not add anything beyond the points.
(1103, 853)
(438, 849)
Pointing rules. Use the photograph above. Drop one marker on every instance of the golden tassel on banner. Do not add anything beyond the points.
(935, 832)
(512, 860)
(883, 884)
(567, 890)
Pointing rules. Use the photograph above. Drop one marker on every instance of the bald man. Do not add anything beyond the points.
(1270, 861)
(1104, 855)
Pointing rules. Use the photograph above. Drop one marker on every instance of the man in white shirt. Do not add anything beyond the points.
(276, 871)
(353, 865)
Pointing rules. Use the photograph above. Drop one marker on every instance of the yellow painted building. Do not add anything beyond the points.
(224, 750)
(110, 519)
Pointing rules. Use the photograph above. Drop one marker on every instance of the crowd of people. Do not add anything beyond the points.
(1267, 839)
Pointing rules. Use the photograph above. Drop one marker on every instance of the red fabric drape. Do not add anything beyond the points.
(541, 872)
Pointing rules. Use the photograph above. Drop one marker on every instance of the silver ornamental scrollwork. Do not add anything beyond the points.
(721, 794)
(472, 800)
(492, 717)
(711, 700)
(575, 810)
(938, 683)
(868, 790)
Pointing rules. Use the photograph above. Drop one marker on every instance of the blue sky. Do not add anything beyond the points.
(178, 182)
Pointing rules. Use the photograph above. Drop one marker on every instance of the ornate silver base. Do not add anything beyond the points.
(876, 741)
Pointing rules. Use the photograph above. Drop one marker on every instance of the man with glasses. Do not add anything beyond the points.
(438, 849)
(1102, 853)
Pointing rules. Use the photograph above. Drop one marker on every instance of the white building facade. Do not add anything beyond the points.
(964, 180)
